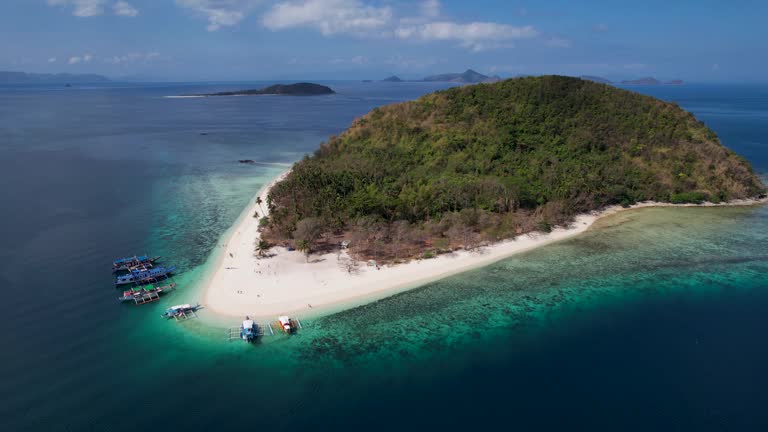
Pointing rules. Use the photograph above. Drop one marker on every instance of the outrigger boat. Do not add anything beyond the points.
(249, 330)
(289, 325)
(145, 275)
(145, 294)
(130, 263)
(181, 312)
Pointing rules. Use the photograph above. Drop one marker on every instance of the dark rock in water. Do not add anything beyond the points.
(247, 161)
(203, 133)
(393, 78)
(298, 89)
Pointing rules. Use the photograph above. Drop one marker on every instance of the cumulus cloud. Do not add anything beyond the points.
(219, 13)
(75, 60)
(328, 16)
(478, 36)
(52, 60)
(125, 9)
(81, 8)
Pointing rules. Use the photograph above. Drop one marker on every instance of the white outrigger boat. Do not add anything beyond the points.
(181, 312)
(248, 331)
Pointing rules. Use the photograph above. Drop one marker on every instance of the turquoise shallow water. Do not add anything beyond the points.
(653, 320)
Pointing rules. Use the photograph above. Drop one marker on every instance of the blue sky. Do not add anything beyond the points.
(357, 39)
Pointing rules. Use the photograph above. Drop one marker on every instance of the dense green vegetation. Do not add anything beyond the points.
(480, 163)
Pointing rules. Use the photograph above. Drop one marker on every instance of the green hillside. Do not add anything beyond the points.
(486, 162)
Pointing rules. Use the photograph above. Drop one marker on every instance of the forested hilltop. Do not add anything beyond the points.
(486, 162)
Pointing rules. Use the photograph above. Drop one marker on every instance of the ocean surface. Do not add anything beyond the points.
(654, 320)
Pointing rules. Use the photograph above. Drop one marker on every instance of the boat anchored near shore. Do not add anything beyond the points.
(250, 330)
(182, 312)
(146, 293)
(145, 275)
(132, 263)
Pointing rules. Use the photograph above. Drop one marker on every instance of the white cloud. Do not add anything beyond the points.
(329, 17)
(478, 36)
(75, 60)
(220, 13)
(52, 60)
(82, 8)
(87, 58)
(125, 9)
(135, 57)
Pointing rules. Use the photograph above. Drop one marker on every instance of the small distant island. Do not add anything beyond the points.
(639, 81)
(467, 77)
(298, 89)
(596, 79)
(393, 78)
(650, 81)
(8, 77)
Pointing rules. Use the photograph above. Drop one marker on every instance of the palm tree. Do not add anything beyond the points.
(303, 246)
(262, 247)
(258, 202)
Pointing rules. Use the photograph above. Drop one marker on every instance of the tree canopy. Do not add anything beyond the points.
(541, 147)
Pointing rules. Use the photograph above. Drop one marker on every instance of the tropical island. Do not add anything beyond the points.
(469, 76)
(460, 178)
(298, 89)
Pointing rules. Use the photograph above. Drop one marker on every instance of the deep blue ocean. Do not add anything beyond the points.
(653, 320)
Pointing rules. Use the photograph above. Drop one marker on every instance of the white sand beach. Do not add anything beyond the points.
(285, 283)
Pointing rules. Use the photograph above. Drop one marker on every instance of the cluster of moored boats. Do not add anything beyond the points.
(145, 277)
(148, 280)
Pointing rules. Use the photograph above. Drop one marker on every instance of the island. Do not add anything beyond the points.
(393, 78)
(467, 77)
(458, 179)
(298, 89)
(8, 77)
(596, 79)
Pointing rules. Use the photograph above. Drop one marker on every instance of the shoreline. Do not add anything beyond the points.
(241, 284)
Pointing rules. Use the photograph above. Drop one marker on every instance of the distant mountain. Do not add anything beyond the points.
(596, 79)
(642, 81)
(468, 76)
(298, 89)
(23, 77)
(393, 78)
